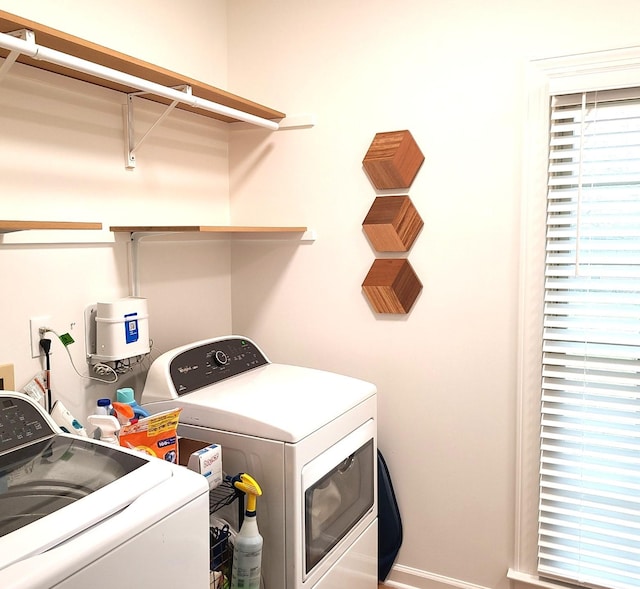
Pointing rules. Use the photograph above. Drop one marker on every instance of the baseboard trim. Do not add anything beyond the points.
(403, 577)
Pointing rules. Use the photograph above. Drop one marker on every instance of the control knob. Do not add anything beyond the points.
(221, 358)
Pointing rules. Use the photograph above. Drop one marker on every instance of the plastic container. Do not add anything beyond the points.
(122, 329)
(108, 426)
(123, 412)
(247, 551)
(103, 407)
(247, 555)
(125, 395)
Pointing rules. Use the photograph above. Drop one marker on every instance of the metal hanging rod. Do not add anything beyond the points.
(31, 49)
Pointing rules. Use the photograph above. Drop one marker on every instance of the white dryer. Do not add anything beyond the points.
(78, 513)
(308, 437)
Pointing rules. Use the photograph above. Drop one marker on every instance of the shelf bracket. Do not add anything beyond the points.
(129, 131)
(25, 35)
(133, 255)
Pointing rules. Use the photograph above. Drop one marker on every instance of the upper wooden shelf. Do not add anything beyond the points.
(83, 49)
(11, 226)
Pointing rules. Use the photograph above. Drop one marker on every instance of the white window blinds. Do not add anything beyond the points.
(589, 513)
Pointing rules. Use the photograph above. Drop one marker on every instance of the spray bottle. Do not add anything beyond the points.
(108, 426)
(247, 552)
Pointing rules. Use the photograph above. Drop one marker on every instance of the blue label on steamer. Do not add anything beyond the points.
(131, 328)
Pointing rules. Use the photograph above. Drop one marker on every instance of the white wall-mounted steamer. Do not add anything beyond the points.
(117, 332)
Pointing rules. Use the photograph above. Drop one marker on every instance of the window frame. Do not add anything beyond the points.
(602, 70)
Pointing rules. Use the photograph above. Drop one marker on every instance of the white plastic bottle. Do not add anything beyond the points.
(108, 426)
(103, 407)
(247, 552)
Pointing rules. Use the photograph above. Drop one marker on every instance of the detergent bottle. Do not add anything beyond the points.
(126, 395)
(247, 552)
(103, 407)
(124, 412)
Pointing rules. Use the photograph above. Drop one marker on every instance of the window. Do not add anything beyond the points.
(589, 515)
(578, 475)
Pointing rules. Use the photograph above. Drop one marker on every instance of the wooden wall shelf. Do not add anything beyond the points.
(245, 232)
(77, 47)
(204, 229)
(139, 231)
(225, 231)
(11, 226)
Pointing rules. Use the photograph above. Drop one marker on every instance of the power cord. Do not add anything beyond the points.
(105, 369)
(45, 344)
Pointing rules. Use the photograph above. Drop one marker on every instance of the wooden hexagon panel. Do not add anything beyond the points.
(393, 160)
(391, 285)
(392, 224)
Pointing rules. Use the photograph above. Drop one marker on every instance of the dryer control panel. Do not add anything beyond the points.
(212, 362)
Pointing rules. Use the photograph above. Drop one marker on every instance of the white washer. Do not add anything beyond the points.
(78, 513)
(308, 437)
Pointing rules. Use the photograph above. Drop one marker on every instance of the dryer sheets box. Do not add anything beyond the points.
(208, 462)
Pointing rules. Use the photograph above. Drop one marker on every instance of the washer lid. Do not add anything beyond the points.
(274, 401)
(57, 487)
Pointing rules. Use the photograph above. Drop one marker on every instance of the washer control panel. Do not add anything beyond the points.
(20, 423)
(213, 362)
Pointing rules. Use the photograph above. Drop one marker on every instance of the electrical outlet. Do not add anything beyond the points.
(35, 324)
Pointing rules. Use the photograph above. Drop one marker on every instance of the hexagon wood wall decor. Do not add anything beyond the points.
(392, 224)
(391, 286)
(393, 160)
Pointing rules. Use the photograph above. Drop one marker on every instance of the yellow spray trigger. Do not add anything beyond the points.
(248, 485)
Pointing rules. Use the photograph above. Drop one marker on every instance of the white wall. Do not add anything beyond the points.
(450, 72)
(63, 159)
(453, 73)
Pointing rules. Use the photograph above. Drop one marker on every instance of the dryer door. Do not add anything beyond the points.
(339, 491)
